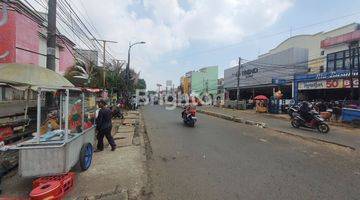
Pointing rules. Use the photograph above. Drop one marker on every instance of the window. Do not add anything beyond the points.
(339, 64)
(330, 65)
(321, 69)
(347, 63)
(341, 60)
(339, 55)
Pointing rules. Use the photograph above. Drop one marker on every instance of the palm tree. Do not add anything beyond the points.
(85, 75)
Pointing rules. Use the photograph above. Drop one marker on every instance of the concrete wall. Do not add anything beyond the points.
(66, 58)
(25, 41)
(205, 78)
(26, 38)
(282, 65)
(312, 43)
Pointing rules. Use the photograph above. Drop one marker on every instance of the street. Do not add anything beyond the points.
(220, 159)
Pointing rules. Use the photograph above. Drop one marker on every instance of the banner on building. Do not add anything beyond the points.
(327, 84)
(347, 83)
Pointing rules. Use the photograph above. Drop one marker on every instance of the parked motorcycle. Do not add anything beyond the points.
(316, 122)
(116, 113)
(188, 116)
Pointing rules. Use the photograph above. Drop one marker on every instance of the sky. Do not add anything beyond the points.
(185, 35)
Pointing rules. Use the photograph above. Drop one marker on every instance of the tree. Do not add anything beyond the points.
(115, 79)
(141, 84)
(85, 74)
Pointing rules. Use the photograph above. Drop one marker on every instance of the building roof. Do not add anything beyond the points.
(324, 33)
(20, 7)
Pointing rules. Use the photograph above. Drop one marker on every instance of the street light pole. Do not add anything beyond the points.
(127, 74)
(128, 63)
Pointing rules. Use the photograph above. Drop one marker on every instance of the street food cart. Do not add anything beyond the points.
(261, 103)
(59, 148)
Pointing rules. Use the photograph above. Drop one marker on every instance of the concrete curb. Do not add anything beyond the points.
(263, 125)
(233, 118)
(313, 139)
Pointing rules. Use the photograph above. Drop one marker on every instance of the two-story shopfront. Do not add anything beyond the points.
(342, 66)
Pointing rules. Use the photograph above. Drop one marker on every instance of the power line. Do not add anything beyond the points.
(41, 17)
(76, 33)
(86, 28)
(261, 37)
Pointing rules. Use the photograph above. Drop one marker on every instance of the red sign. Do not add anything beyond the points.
(337, 83)
(348, 37)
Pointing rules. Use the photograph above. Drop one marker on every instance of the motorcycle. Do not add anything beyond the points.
(189, 117)
(293, 111)
(316, 122)
(116, 113)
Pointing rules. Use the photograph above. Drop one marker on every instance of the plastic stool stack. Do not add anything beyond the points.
(52, 187)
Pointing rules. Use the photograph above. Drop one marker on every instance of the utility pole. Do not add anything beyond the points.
(358, 71)
(351, 55)
(104, 58)
(51, 35)
(51, 45)
(238, 84)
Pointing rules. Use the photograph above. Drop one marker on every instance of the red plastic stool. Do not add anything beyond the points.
(66, 181)
(51, 190)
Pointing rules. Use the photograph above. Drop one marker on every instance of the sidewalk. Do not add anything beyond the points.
(344, 136)
(113, 175)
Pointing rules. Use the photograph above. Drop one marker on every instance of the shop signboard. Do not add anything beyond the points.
(314, 85)
(335, 83)
(278, 81)
(327, 84)
(347, 83)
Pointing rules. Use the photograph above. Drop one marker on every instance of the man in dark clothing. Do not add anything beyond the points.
(304, 111)
(104, 126)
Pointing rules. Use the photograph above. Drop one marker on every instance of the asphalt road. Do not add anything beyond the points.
(220, 159)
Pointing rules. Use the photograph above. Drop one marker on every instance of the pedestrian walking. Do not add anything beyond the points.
(104, 126)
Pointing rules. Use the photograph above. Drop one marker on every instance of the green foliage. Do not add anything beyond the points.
(85, 75)
(141, 84)
(88, 75)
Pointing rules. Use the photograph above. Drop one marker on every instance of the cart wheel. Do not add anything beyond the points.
(86, 154)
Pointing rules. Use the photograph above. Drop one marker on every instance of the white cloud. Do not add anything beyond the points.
(234, 62)
(167, 26)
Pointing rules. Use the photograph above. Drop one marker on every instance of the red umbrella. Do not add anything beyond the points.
(260, 97)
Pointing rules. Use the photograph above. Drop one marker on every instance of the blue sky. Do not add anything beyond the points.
(184, 35)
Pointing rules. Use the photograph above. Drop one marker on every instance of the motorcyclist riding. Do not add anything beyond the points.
(304, 111)
(186, 110)
(188, 115)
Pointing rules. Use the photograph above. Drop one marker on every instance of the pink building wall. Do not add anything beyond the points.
(66, 58)
(20, 33)
(27, 37)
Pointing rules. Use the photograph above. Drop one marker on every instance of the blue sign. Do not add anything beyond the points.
(277, 81)
(325, 75)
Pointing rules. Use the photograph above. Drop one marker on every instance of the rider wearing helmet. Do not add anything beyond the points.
(304, 111)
